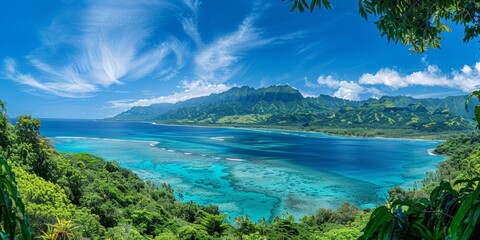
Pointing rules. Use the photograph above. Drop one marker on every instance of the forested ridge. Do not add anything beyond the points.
(285, 107)
(81, 196)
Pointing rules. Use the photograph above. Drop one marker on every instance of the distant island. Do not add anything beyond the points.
(284, 107)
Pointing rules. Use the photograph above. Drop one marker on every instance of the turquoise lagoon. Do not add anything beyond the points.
(260, 173)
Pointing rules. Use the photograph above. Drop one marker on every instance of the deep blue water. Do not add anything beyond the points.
(262, 173)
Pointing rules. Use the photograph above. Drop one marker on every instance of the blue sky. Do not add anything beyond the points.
(95, 59)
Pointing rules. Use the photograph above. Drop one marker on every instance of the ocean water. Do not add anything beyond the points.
(260, 173)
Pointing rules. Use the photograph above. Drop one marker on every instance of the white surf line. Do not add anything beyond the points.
(236, 159)
(68, 137)
(152, 143)
(431, 152)
(221, 138)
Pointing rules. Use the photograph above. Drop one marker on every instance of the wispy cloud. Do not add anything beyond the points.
(218, 61)
(74, 88)
(191, 89)
(310, 50)
(190, 22)
(214, 63)
(193, 5)
(309, 84)
(191, 29)
(107, 46)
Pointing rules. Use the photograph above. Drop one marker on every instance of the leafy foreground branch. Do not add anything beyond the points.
(419, 24)
(447, 214)
(477, 107)
(12, 210)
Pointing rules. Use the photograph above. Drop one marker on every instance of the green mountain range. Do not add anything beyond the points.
(284, 106)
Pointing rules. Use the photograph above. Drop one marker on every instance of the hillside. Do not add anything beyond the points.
(284, 106)
(455, 104)
(244, 95)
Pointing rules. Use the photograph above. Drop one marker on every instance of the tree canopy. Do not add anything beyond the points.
(419, 24)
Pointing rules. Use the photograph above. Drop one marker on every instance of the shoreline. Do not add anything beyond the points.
(415, 136)
(269, 128)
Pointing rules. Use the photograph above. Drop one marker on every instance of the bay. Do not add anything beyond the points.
(260, 173)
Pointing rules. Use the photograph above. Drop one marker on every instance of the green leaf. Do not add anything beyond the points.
(378, 217)
(473, 94)
(424, 231)
(386, 231)
(473, 220)
(456, 231)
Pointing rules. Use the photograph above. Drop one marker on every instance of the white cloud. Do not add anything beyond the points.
(467, 70)
(424, 59)
(384, 76)
(193, 5)
(310, 84)
(190, 23)
(308, 94)
(466, 79)
(62, 89)
(345, 89)
(218, 61)
(102, 45)
(191, 29)
(191, 89)
(349, 90)
(328, 81)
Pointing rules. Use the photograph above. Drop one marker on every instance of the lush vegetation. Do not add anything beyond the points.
(81, 196)
(448, 213)
(477, 107)
(284, 107)
(447, 204)
(419, 24)
(12, 208)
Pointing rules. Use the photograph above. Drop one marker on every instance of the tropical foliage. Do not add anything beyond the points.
(12, 209)
(447, 214)
(445, 207)
(419, 24)
(477, 107)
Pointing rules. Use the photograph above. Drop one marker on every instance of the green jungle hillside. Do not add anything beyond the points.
(285, 107)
